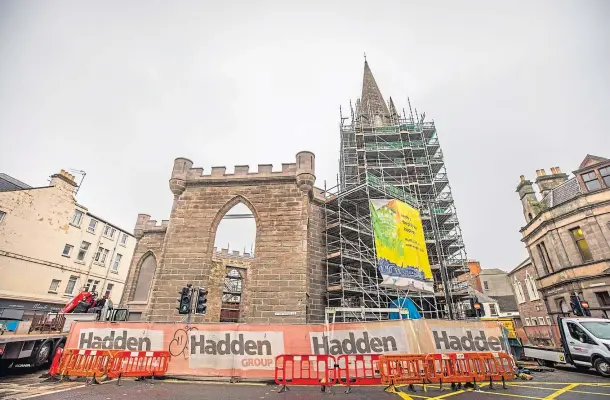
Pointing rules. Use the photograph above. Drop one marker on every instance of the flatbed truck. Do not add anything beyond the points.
(585, 344)
(29, 350)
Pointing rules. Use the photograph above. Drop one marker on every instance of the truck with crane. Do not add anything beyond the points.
(48, 332)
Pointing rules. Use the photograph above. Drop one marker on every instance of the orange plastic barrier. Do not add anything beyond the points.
(455, 368)
(139, 364)
(499, 367)
(403, 369)
(56, 359)
(358, 370)
(305, 369)
(84, 363)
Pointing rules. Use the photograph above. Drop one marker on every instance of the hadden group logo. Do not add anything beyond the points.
(121, 339)
(389, 340)
(466, 340)
(227, 350)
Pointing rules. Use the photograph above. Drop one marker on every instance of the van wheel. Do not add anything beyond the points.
(602, 366)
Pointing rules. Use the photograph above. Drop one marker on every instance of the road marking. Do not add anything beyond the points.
(512, 395)
(53, 392)
(530, 387)
(561, 391)
(585, 392)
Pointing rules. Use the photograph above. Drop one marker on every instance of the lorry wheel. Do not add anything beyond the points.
(602, 366)
(43, 354)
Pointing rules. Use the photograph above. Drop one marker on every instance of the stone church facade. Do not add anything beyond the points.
(283, 282)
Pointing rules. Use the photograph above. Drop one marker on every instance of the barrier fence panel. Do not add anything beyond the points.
(138, 364)
(84, 363)
(403, 369)
(305, 369)
(358, 370)
(452, 368)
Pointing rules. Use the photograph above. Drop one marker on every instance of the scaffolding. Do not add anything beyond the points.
(388, 156)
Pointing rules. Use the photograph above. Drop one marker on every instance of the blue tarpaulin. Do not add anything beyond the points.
(407, 304)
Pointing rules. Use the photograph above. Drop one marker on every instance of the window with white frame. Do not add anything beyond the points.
(67, 250)
(92, 225)
(71, 284)
(100, 255)
(486, 285)
(493, 311)
(519, 291)
(540, 320)
(109, 289)
(527, 322)
(2, 214)
(82, 252)
(54, 285)
(548, 321)
(117, 261)
(109, 232)
(124, 239)
(77, 218)
(534, 322)
(530, 285)
(91, 285)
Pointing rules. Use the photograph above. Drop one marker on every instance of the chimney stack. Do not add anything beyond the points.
(546, 183)
(64, 181)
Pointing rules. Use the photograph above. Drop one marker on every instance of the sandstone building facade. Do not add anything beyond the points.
(567, 235)
(283, 282)
(52, 247)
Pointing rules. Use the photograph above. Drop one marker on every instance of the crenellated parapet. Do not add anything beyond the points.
(302, 171)
(146, 225)
(225, 253)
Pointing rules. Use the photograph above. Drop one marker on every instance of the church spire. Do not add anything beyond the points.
(372, 105)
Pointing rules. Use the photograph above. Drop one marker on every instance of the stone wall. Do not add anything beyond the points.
(316, 250)
(150, 241)
(286, 274)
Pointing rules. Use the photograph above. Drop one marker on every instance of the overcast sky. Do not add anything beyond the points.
(119, 89)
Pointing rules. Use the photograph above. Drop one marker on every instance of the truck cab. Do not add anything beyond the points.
(586, 342)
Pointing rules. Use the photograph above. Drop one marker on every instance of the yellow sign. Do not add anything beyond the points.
(507, 323)
(402, 258)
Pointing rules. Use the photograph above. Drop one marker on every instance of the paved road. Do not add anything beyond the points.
(562, 384)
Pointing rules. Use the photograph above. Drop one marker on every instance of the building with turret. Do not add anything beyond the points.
(567, 236)
(282, 282)
(315, 257)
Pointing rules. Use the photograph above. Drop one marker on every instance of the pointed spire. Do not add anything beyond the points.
(393, 112)
(372, 104)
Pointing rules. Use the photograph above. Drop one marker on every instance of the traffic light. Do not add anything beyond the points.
(576, 306)
(184, 302)
(585, 308)
(202, 300)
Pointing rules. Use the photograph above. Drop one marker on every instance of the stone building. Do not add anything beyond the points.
(51, 247)
(567, 235)
(283, 282)
(535, 319)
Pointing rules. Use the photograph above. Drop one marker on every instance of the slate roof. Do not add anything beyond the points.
(506, 303)
(8, 183)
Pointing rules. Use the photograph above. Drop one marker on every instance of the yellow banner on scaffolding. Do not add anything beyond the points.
(402, 258)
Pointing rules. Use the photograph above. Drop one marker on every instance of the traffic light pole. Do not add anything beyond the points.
(188, 316)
